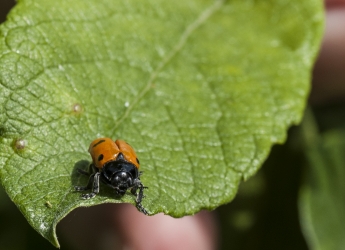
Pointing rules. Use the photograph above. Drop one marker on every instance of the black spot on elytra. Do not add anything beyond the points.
(138, 161)
(100, 157)
(101, 141)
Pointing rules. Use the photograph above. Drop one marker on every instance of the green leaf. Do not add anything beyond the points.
(322, 198)
(201, 89)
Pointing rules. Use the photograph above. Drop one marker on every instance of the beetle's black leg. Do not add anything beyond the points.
(91, 172)
(88, 186)
(141, 208)
(140, 186)
(140, 195)
(95, 187)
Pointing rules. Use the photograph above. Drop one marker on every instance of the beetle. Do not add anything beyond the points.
(116, 164)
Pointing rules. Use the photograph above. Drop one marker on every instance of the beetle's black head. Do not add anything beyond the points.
(120, 174)
(122, 181)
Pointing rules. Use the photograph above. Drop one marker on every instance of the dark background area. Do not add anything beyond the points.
(5, 6)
